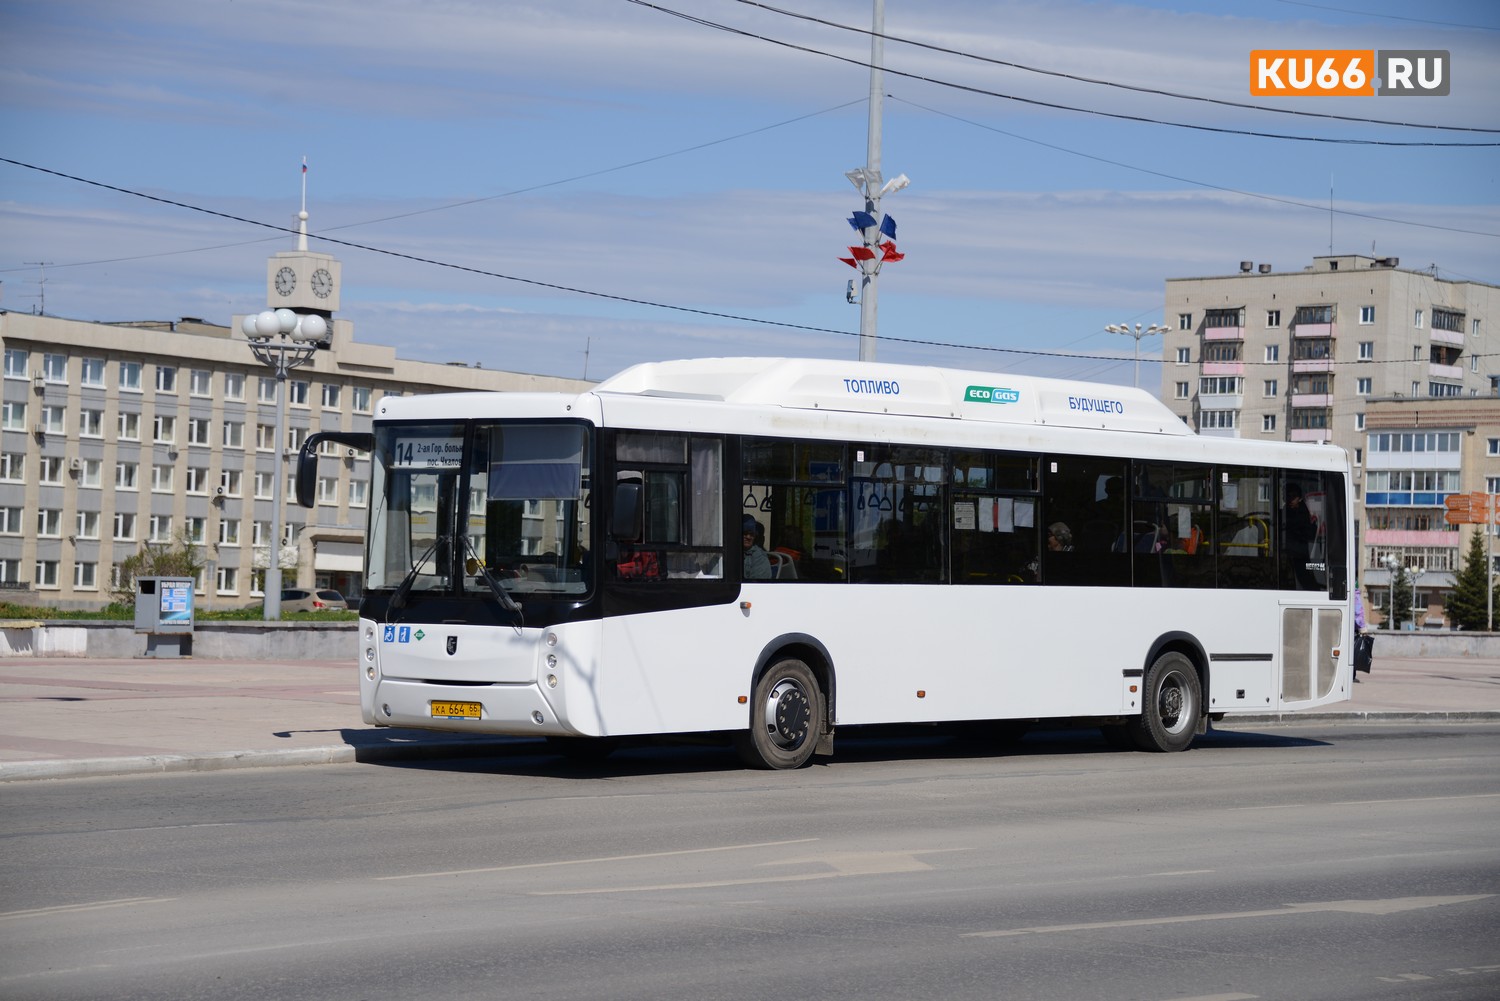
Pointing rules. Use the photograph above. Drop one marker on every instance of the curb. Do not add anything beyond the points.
(339, 754)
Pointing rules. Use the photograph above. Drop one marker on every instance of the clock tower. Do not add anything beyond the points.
(302, 280)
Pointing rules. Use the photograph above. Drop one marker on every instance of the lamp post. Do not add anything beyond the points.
(1395, 567)
(1137, 333)
(284, 340)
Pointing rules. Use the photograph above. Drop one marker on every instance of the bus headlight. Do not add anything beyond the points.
(551, 681)
(370, 672)
(552, 661)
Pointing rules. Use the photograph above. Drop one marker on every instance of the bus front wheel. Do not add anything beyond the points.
(1171, 701)
(786, 714)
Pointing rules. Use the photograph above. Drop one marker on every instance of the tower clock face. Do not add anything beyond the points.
(286, 281)
(322, 283)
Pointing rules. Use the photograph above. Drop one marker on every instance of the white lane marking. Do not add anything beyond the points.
(591, 861)
(1217, 997)
(843, 863)
(1368, 802)
(1391, 906)
(97, 905)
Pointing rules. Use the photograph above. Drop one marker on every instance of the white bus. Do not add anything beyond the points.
(938, 546)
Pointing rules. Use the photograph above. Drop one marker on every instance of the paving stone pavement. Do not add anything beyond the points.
(66, 717)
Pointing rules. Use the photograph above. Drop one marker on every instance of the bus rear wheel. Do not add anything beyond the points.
(1171, 702)
(786, 715)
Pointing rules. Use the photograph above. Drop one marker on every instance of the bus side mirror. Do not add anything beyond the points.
(627, 519)
(307, 475)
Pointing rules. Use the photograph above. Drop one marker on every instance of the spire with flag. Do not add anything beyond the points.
(873, 251)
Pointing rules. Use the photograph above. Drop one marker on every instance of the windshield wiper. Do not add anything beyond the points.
(398, 600)
(476, 566)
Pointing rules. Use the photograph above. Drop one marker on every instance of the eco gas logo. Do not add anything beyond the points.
(1349, 73)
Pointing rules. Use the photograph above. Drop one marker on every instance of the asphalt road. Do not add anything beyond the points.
(1323, 861)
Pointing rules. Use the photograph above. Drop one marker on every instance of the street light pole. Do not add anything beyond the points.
(1137, 333)
(284, 341)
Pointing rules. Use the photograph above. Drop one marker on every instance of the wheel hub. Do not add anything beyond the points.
(788, 714)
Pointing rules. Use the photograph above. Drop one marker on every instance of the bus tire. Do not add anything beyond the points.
(1171, 701)
(786, 716)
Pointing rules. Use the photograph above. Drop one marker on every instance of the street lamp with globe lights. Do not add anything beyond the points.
(1137, 333)
(284, 340)
(1395, 567)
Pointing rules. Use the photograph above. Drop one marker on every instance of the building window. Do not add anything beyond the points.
(55, 368)
(88, 525)
(331, 396)
(1416, 319)
(16, 361)
(196, 528)
(263, 485)
(1270, 388)
(1273, 317)
(91, 473)
(328, 490)
(1268, 422)
(294, 438)
(1447, 319)
(10, 521)
(160, 528)
(1273, 352)
(10, 571)
(230, 481)
(1184, 321)
(161, 479)
(129, 427)
(229, 532)
(1359, 457)
(1221, 318)
(91, 424)
(359, 491)
(1219, 419)
(265, 437)
(125, 475)
(265, 390)
(1221, 351)
(259, 533)
(1359, 422)
(164, 429)
(234, 434)
(86, 576)
(166, 379)
(15, 416)
(1313, 314)
(197, 431)
(91, 372)
(234, 386)
(124, 526)
(297, 392)
(130, 376)
(46, 573)
(51, 469)
(13, 466)
(1221, 385)
(54, 420)
(1182, 390)
(197, 480)
(228, 580)
(1367, 315)
(49, 523)
(200, 382)
(1362, 386)
(1475, 329)
(1366, 350)
(361, 394)
(1184, 356)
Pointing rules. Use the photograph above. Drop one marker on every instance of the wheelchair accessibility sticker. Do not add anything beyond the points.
(398, 634)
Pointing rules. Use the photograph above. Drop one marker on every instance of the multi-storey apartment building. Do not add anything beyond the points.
(1314, 355)
(115, 435)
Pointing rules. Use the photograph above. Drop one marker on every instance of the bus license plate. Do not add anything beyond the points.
(457, 710)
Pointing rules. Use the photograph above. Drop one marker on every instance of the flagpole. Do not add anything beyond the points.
(867, 293)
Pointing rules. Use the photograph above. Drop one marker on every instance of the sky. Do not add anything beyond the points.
(570, 187)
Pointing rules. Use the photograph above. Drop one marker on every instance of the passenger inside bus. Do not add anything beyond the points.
(757, 563)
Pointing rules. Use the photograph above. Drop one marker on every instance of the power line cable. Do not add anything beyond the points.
(1109, 83)
(1390, 17)
(1188, 180)
(967, 88)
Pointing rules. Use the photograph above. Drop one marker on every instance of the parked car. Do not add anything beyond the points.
(299, 599)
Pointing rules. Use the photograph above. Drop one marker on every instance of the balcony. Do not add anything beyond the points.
(1220, 401)
(1223, 368)
(1312, 365)
(1223, 333)
(1453, 337)
(1321, 400)
(1410, 537)
(1455, 372)
(1311, 434)
(1303, 330)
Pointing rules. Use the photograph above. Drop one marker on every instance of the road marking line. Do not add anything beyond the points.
(843, 863)
(589, 861)
(98, 905)
(1367, 802)
(1391, 906)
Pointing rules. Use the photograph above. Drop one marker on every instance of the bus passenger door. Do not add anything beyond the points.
(1309, 665)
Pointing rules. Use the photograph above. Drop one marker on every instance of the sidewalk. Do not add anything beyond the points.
(75, 717)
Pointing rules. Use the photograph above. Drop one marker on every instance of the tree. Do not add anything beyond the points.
(179, 558)
(1468, 605)
(1400, 598)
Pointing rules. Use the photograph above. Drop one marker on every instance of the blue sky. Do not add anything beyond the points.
(608, 147)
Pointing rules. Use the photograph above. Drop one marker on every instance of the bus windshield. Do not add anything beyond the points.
(456, 503)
